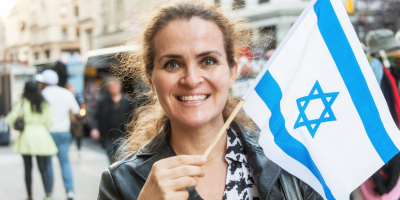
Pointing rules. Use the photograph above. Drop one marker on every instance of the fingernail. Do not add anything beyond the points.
(203, 160)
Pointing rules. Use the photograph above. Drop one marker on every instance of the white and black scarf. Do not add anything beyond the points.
(239, 180)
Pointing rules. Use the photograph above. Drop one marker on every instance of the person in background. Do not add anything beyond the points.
(76, 125)
(62, 102)
(111, 116)
(4, 131)
(2, 109)
(385, 183)
(35, 139)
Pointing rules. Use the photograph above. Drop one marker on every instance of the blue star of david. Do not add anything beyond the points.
(326, 115)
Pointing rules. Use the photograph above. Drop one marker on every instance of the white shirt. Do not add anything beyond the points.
(61, 102)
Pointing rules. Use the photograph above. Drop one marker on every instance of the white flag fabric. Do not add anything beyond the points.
(321, 112)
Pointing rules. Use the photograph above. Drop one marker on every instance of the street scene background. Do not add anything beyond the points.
(79, 39)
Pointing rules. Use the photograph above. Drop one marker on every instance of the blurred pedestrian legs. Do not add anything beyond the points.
(62, 140)
(43, 164)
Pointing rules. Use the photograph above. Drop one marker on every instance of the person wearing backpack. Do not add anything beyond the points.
(34, 117)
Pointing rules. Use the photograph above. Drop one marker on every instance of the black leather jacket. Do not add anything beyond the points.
(125, 179)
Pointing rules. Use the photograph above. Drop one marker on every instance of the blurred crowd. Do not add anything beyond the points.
(383, 52)
(49, 117)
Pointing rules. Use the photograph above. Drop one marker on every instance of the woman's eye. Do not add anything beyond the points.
(172, 65)
(208, 61)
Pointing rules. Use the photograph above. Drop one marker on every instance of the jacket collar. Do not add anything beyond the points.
(265, 172)
(157, 149)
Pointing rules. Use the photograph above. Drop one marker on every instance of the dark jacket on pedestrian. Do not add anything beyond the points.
(111, 118)
(125, 179)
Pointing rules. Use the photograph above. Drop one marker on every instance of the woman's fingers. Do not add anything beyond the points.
(169, 177)
(185, 170)
(181, 195)
(183, 182)
(176, 161)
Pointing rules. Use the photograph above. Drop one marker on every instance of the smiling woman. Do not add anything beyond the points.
(188, 60)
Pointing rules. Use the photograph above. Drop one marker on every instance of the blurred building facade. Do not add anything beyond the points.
(41, 29)
(271, 18)
(274, 18)
(110, 23)
(103, 22)
(16, 33)
(88, 14)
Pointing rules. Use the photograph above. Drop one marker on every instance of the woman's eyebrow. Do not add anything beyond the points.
(179, 56)
(208, 53)
(169, 56)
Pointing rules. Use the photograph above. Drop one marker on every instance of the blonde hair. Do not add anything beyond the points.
(150, 119)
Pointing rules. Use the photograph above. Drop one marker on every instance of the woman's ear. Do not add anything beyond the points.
(233, 73)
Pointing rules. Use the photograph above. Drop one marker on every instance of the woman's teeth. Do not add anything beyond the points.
(193, 98)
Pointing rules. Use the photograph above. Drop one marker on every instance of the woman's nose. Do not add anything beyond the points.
(192, 77)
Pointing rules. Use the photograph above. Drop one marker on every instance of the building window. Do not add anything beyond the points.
(239, 4)
(64, 33)
(77, 32)
(36, 55)
(47, 52)
(263, 1)
(76, 11)
(63, 10)
(268, 34)
(89, 39)
(43, 7)
(22, 26)
(105, 22)
(120, 9)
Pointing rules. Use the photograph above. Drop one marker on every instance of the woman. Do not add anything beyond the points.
(35, 139)
(188, 59)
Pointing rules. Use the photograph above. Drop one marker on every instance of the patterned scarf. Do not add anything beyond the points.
(239, 180)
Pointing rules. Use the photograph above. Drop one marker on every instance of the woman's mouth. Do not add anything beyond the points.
(193, 98)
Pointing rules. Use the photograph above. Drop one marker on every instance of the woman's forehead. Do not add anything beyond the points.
(194, 35)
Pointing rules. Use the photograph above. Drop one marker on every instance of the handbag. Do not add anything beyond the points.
(19, 124)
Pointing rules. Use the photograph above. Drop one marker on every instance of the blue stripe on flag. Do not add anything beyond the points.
(346, 62)
(270, 92)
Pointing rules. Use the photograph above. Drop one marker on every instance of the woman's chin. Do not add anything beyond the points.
(193, 123)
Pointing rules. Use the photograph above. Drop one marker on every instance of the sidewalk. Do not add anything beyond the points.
(86, 171)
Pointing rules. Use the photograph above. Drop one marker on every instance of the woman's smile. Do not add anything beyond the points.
(191, 99)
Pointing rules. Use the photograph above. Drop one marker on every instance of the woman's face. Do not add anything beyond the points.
(191, 76)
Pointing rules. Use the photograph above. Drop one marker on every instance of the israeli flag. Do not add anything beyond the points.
(322, 115)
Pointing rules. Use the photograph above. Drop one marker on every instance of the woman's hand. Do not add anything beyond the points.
(169, 178)
(95, 134)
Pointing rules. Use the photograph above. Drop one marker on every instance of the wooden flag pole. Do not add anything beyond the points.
(224, 127)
